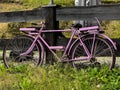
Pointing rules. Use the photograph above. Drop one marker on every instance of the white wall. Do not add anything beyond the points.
(86, 3)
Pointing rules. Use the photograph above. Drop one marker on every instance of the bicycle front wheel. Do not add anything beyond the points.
(18, 45)
(102, 53)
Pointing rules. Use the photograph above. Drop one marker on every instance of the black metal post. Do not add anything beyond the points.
(50, 21)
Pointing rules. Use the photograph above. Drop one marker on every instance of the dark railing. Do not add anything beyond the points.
(106, 12)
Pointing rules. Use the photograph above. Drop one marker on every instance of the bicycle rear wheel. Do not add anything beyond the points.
(103, 53)
(18, 45)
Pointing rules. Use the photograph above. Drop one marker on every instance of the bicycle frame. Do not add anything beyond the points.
(38, 38)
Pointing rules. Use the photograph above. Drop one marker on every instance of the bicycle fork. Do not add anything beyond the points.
(29, 49)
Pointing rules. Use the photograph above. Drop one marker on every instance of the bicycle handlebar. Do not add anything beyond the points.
(42, 25)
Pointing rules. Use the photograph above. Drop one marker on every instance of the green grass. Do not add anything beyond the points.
(111, 28)
(58, 77)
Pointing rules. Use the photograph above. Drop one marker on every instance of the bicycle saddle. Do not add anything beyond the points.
(77, 25)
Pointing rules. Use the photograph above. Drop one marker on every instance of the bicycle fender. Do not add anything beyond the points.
(110, 40)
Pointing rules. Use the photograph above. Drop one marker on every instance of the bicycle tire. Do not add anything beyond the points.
(103, 53)
(18, 45)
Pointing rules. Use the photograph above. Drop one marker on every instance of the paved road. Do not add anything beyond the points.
(117, 61)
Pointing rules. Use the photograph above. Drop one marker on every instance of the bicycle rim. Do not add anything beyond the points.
(18, 45)
(102, 55)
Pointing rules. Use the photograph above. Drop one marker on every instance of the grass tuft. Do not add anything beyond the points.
(58, 77)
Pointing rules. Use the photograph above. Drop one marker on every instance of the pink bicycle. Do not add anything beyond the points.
(90, 47)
